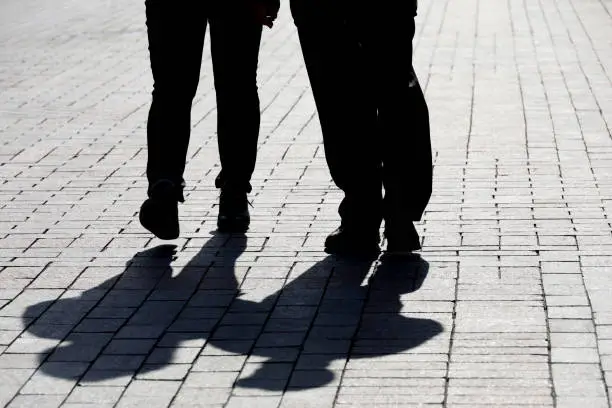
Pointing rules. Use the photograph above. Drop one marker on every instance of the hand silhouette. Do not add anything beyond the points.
(266, 11)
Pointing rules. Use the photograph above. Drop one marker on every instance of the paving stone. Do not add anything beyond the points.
(259, 402)
(107, 378)
(118, 362)
(129, 346)
(574, 355)
(568, 402)
(95, 395)
(41, 383)
(143, 400)
(202, 397)
(573, 340)
(181, 355)
(205, 380)
(43, 401)
(219, 363)
(322, 397)
(163, 371)
(152, 388)
(571, 326)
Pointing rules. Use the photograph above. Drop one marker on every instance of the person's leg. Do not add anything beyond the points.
(235, 41)
(176, 37)
(407, 170)
(347, 114)
(403, 121)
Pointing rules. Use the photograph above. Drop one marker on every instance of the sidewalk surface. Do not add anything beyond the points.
(510, 304)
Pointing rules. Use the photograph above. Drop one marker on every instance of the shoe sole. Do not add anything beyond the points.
(399, 256)
(361, 253)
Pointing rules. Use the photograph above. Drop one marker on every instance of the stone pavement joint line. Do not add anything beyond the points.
(509, 305)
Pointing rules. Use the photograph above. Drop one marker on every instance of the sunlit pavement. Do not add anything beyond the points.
(510, 303)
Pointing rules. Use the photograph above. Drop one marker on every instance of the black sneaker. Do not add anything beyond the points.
(233, 211)
(402, 242)
(159, 213)
(353, 243)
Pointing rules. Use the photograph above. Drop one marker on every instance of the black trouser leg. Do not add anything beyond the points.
(176, 37)
(403, 120)
(235, 41)
(407, 159)
(347, 113)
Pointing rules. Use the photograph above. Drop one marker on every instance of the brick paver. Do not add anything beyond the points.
(510, 304)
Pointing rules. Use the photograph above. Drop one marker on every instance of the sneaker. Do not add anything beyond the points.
(353, 243)
(403, 242)
(159, 213)
(233, 211)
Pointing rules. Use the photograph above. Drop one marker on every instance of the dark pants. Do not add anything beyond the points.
(373, 114)
(176, 38)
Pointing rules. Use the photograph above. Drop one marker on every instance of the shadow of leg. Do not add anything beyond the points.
(386, 329)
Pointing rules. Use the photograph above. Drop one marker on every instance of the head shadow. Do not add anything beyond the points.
(293, 335)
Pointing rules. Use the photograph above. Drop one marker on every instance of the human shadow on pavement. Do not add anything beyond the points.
(323, 314)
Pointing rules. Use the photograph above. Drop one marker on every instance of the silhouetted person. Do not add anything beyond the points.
(373, 115)
(176, 38)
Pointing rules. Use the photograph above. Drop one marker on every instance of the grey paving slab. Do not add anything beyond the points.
(508, 306)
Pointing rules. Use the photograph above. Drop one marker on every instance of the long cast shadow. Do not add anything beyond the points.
(325, 313)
